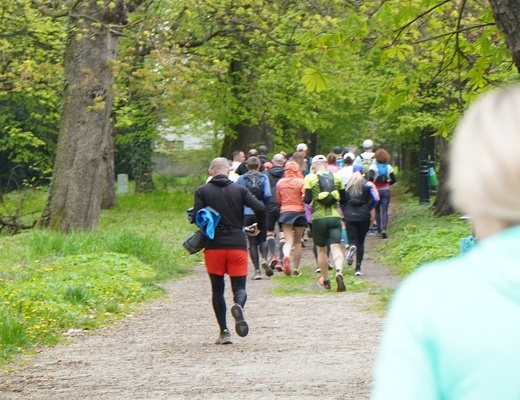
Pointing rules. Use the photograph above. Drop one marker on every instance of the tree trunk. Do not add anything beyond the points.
(109, 193)
(442, 202)
(82, 156)
(141, 162)
(507, 17)
(245, 137)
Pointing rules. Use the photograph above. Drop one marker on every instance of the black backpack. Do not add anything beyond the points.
(327, 185)
(253, 181)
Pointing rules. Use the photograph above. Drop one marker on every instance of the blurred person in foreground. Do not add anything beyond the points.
(226, 253)
(453, 326)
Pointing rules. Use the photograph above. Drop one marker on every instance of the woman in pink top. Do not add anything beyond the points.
(289, 194)
(332, 163)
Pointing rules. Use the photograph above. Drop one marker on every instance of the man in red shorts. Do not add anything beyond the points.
(227, 252)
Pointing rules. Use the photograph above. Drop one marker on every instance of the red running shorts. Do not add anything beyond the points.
(226, 261)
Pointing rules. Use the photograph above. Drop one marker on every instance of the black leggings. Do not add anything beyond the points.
(238, 286)
(356, 233)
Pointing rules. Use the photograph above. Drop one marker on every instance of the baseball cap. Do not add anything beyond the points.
(336, 150)
(349, 155)
(301, 147)
(319, 158)
(368, 143)
(358, 168)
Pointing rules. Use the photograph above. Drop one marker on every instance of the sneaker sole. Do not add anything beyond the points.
(241, 326)
(341, 283)
(287, 265)
(224, 341)
(267, 269)
(350, 257)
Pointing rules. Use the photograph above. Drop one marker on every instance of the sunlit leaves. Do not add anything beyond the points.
(314, 80)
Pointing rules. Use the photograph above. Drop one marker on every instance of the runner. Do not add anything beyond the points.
(227, 252)
(326, 221)
(289, 194)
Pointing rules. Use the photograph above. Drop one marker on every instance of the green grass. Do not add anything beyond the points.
(51, 282)
(307, 283)
(418, 237)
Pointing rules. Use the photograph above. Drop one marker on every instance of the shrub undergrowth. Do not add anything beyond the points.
(418, 237)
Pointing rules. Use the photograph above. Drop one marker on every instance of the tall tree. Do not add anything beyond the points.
(85, 141)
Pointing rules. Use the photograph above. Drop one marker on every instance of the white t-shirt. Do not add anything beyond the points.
(345, 173)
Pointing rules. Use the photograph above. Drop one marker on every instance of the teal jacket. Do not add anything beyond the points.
(453, 328)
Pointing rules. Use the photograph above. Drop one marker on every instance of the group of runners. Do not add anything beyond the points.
(276, 202)
(290, 190)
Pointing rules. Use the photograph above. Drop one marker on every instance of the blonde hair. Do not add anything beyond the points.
(488, 185)
(355, 184)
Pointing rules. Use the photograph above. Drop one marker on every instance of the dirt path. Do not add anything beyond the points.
(304, 347)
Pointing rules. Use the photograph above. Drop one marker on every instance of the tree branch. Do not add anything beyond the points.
(453, 32)
(418, 17)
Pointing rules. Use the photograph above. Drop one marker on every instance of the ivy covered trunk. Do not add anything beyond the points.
(442, 202)
(84, 149)
(141, 163)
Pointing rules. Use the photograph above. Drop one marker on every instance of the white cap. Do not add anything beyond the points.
(349, 155)
(301, 147)
(367, 144)
(319, 158)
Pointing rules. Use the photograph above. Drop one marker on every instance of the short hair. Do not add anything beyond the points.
(219, 163)
(382, 156)
(252, 162)
(252, 153)
(236, 153)
(278, 159)
(488, 186)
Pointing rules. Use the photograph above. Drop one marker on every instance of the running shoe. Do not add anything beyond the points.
(287, 265)
(257, 275)
(273, 262)
(358, 273)
(296, 273)
(278, 266)
(318, 270)
(267, 268)
(350, 254)
(340, 281)
(383, 234)
(241, 327)
(224, 338)
(371, 232)
(325, 284)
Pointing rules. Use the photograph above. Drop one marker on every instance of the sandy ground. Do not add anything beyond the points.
(298, 347)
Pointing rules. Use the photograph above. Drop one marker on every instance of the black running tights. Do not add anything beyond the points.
(238, 286)
(356, 233)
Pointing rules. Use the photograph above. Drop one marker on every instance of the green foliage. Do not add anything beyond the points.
(51, 282)
(30, 88)
(418, 237)
(38, 300)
